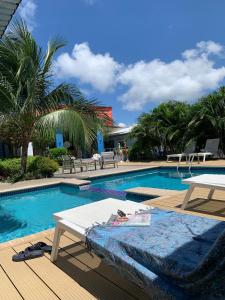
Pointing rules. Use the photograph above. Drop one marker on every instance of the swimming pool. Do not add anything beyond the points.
(31, 211)
(160, 178)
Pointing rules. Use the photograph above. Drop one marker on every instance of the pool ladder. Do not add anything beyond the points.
(189, 161)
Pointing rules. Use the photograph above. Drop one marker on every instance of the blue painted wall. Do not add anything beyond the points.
(59, 139)
(100, 142)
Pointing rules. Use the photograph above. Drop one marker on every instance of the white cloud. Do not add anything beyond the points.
(27, 11)
(187, 78)
(122, 125)
(99, 70)
(204, 49)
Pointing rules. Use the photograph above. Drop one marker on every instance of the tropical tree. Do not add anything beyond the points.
(30, 103)
(165, 127)
(208, 118)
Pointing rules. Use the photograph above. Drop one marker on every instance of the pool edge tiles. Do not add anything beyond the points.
(28, 189)
(40, 186)
(123, 172)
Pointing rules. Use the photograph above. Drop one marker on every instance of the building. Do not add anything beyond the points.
(7, 10)
(118, 135)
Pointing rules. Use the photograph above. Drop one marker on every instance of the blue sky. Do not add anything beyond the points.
(134, 54)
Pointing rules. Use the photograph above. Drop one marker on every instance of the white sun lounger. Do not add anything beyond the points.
(211, 149)
(78, 220)
(188, 149)
(210, 181)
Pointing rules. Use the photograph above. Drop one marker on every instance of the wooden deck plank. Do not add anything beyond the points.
(30, 286)
(78, 249)
(7, 289)
(63, 286)
(88, 278)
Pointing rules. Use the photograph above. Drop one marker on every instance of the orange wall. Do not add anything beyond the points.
(105, 110)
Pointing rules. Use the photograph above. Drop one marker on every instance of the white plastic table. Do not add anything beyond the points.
(210, 181)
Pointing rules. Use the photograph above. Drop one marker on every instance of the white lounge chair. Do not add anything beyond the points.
(210, 181)
(211, 149)
(108, 158)
(188, 149)
(78, 220)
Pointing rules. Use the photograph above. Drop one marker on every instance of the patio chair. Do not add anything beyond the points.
(108, 158)
(177, 257)
(77, 164)
(211, 149)
(67, 163)
(190, 148)
(84, 163)
(89, 162)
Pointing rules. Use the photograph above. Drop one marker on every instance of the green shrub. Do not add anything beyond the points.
(9, 167)
(56, 154)
(37, 167)
(43, 167)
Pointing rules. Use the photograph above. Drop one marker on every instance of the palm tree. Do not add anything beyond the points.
(29, 101)
(165, 126)
(208, 119)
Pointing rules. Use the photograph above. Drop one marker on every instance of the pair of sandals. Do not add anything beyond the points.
(34, 251)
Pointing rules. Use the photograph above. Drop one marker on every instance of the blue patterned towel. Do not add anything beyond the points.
(171, 256)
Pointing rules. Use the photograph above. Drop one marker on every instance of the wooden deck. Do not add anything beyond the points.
(77, 275)
(199, 205)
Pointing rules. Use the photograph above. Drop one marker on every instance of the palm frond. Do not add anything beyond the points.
(53, 46)
(77, 127)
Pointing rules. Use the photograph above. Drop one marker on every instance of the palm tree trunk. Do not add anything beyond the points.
(24, 157)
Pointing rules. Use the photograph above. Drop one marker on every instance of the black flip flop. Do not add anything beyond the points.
(25, 255)
(40, 246)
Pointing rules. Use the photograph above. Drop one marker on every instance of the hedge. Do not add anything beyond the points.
(37, 167)
(43, 166)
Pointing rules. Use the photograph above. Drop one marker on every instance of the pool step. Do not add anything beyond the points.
(151, 191)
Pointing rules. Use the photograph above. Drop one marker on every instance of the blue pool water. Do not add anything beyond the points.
(161, 178)
(30, 212)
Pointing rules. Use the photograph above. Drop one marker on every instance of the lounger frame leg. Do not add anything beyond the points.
(211, 192)
(187, 196)
(55, 246)
(204, 157)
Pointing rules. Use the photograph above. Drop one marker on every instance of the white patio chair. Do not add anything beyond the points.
(108, 158)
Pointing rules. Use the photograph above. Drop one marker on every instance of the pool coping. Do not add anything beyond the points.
(31, 186)
(120, 172)
(146, 191)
